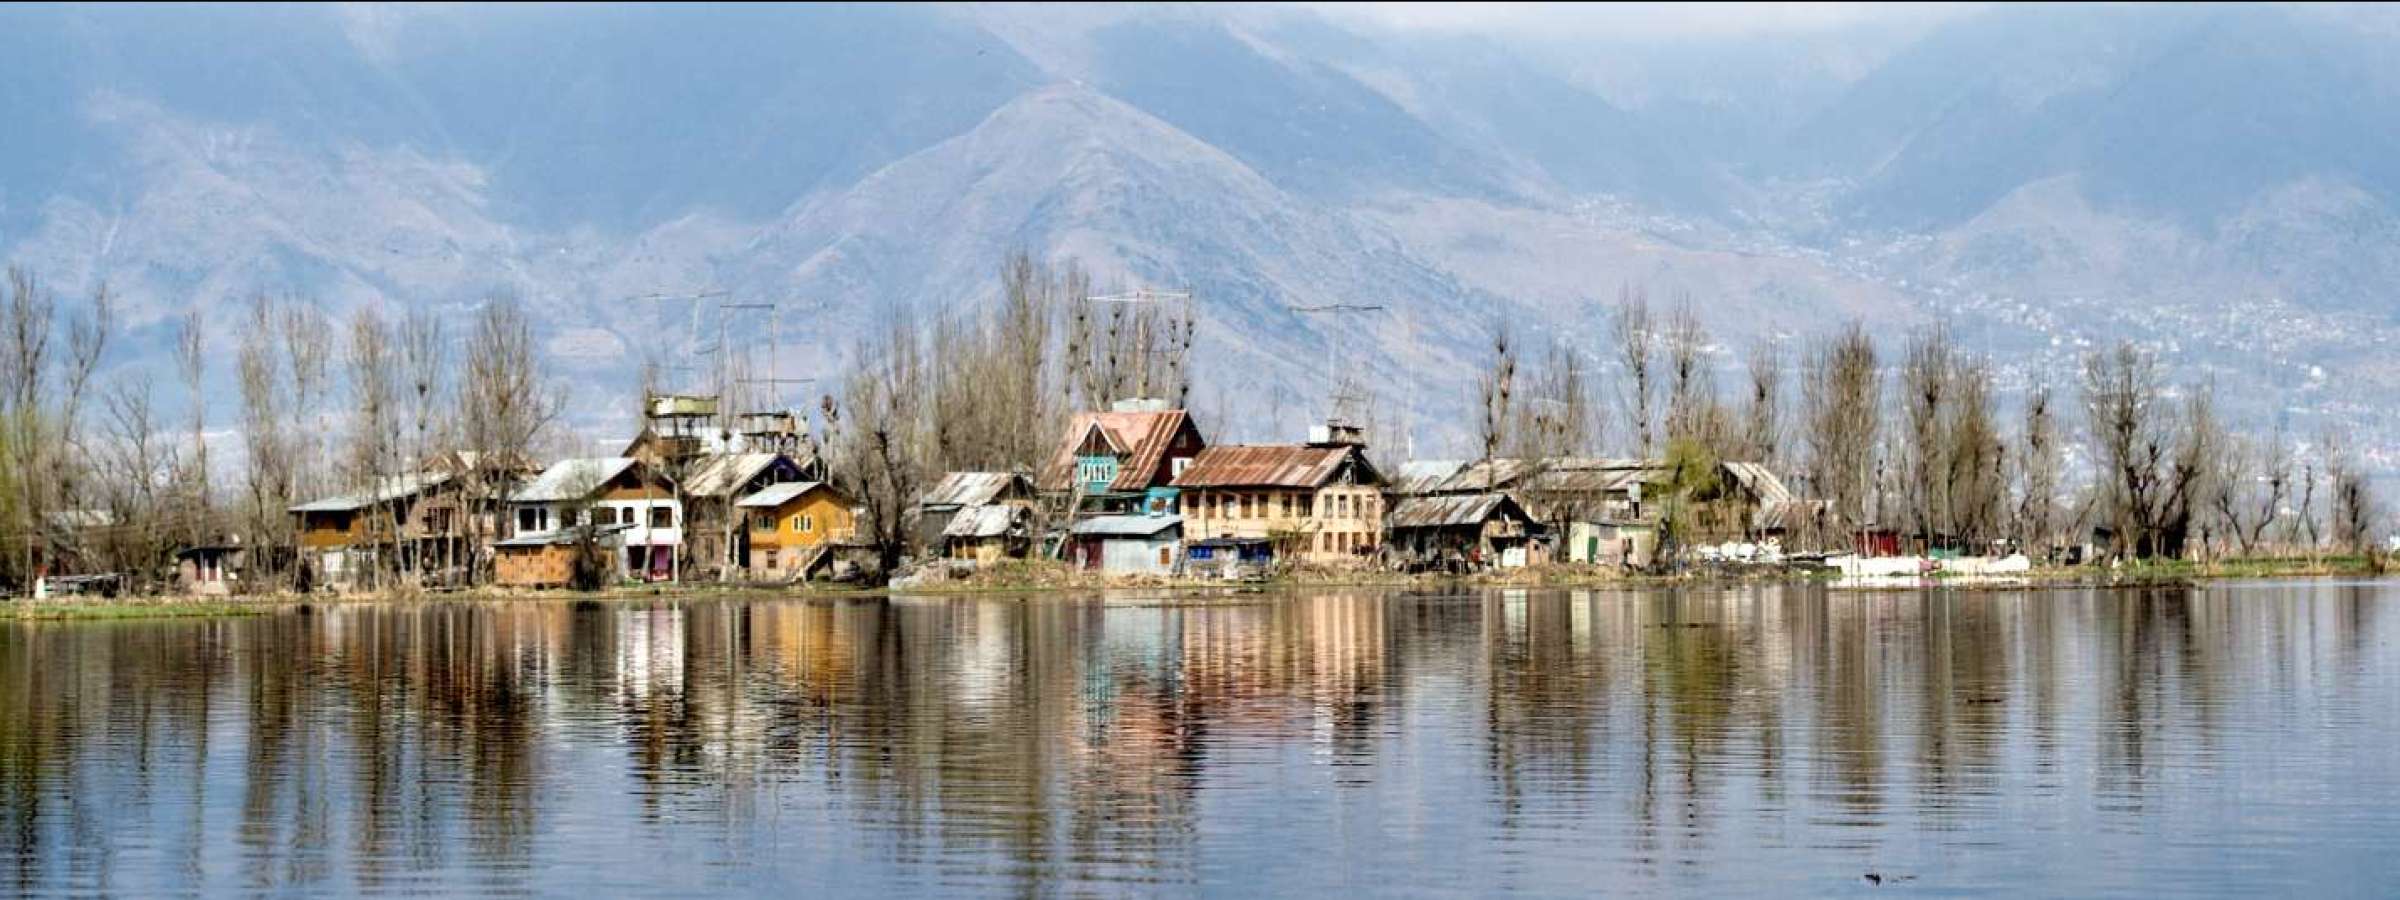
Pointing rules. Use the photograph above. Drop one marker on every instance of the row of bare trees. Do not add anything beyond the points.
(1917, 444)
(320, 407)
(990, 391)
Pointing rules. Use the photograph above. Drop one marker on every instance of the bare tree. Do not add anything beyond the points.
(1636, 337)
(1976, 475)
(191, 362)
(2354, 508)
(308, 344)
(2151, 469)
(267, 443)
(1691, 386)
(1762, 410)
(139, 491)
(1841, 397)
(425, 366)
(505, 402)
(374, 451)
(1554, 411)
(878, 435)
(2037, 464)
(1925, 377)
(1496, 391)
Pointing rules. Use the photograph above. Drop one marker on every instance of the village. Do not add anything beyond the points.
(1049, 441)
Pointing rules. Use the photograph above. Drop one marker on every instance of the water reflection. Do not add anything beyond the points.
(1547, 741)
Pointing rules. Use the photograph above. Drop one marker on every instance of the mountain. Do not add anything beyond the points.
(2211, 180)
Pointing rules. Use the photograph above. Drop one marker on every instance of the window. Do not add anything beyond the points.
(1182, 463)
(529, 519)
(770, 559)
(605, 515)
(804, 523)
(762, 520)
(662, 517)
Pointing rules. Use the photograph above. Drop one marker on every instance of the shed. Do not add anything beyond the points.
(959, 491)
(1459, 532)
(1128, 545)
(547, 558)
(988, 533)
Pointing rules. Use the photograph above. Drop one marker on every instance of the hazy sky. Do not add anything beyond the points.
(1567, 20)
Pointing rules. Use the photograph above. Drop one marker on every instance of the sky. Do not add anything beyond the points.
(1655, 20)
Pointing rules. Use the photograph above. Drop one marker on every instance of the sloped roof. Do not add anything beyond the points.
(775, 495)
(1573, 474)
(1424, 476)
(1453, 510)
(1274, 465)
(1760, 482)
(984, 521)
(1126, 526)
(970, 488)
(572, 479)
(1145, 435)
(718, 474)
(385, 490)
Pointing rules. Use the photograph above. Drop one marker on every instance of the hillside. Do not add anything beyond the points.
(2043, 179)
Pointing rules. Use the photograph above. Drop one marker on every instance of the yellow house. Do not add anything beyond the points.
(790, 521)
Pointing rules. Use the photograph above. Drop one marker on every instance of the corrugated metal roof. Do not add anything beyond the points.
(718, 474)
(1424, 476)
(572, 479)
(1145, 435)
(775, 495)
(1126, 526)
(985, 521)
(1451, 511)
(971, 488)
(1274, 465)
(1572, 474)
(1760, 482)
(387, 489)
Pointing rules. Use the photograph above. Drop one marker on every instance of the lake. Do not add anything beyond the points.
(2238, 738)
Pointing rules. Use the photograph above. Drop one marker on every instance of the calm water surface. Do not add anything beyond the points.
(2236, 739)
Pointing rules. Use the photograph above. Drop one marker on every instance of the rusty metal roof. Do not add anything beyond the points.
(1424, 476)
(1146, 436)
(987, 521)
(1275, 465)
(1452, 511)
(1573, 474)
(973, 488)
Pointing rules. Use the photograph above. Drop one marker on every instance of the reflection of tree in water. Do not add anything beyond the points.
(1545, 694)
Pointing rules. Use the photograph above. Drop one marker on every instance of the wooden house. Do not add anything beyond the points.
(794, 526)
(717, 533)
(1320, 502)
(607, 491)
(1459, 533)
(1121, 461)
(208, 570)
(965, 494)
(397, 523)
(988, 533)
(546, 559)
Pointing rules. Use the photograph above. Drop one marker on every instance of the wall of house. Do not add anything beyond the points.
(323, 530)
(1327, 525)
(544, 566)
(1140, 556)
(808, 520)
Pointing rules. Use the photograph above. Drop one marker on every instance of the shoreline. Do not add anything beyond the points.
(1025, 584)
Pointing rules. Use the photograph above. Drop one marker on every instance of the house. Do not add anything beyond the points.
(208, 570)
(960, 492)
(1320, 502)
(1126, 544)
(717, 536)
(1121, 461)
(794, 525)
(607, 491)
(1460, 532)
(988, 533)
(397, 522)
(546, 559)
